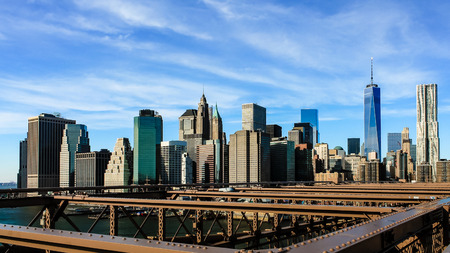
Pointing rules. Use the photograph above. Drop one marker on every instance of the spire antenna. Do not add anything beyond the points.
(371, 70)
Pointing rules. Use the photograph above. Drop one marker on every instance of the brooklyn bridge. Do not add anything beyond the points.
(253, 217)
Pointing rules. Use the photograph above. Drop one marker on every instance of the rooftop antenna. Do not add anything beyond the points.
(203, 89)
(371, 70)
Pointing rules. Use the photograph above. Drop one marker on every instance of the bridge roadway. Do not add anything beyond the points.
(422, 225)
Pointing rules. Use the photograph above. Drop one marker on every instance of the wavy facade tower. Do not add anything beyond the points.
(372, 118)
(427, 127)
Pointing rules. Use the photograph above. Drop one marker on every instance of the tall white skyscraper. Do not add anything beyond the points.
(427, 127)
(120, 166)
(171, 161)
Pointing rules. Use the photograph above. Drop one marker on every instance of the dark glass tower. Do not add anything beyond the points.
(147, 147)
(372, 118)
(311, 116)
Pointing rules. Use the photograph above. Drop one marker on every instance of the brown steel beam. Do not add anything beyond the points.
(380, 234)
(29, 201)
(320, 210)
(391, 198)
(65, 241)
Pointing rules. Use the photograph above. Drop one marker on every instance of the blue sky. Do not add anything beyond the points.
(99, 62)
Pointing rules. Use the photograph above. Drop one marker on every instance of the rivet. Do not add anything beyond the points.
(61, 231)
(321, 237)
(70, 232)
(27, 227)
(280, 249)
(136, 240)
(4, 225)
(101, 236)
(21, 227)
(353, 240)
(327, 236)
(43, 229)
(338, 247)
(81, 234)
(157, 242)
(12, 226)
(296, 246)
(149, 241)
(331, 250)
(173, 244)
(315, 239)
(302, 243)
(324, 251)
(50, 230)
(124, 238)
(112, 237)
(90, 235)
(309, 241)
(343, 245)
(349, 242)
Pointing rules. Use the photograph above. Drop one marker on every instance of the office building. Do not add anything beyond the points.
(282, 160)
(427, 127)
(186, 169)
(44, 141)
(274, 131)
(171, 161)
(253, 117)
(206, 164)
(22, 175)
(352, 162)
(148, 127)
(443, 171)
(188, 123)
(353, 145)
(249, 157)
(120, 166)
(311, 116)
(372, 117)
(424, 173)
(203, 119)
(296, 136)
(394, 141)
(216, 125)
(322, 151)
(304, 162)
(90, 168)
(372, 171)
(307, 132)
(75, 139)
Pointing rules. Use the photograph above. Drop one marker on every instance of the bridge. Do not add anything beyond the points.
(252, 217)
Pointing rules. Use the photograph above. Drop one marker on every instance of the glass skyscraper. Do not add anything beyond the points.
(311, 116)
(372, 120)
(394, 141)
(353, 146)
(147, 147)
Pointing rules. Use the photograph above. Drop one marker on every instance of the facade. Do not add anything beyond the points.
(44, 140)
(216, 125)
(249, 157)
(427, 127)
(75, 139)
(120, 165)
(353, 145)
(307, 132)
(274, 131)
(394, 141)
(90, 168)
(186, 169)
(443, 171)
(352, 162)
(282, 160)
(253, 117)
(22, 175)
(372, 119)
(311, 116)
(188, 123)
(203, 119)
(322, 150)
(206, 164)
(424, 173)
(372, 171)
(296, 136)
(304, 168)
(148, 127)
(171, 161)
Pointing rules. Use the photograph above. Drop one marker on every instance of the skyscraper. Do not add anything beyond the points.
(216, 125)
(249, 157)
(427, 127)
(22, 175)
(282, 160)
(311, 116)
(75, 139)
(90, 168)
(44, 140)
(171, 161)
(372, 118)
(188, 123)
(394, 141)
(253, 117)
(353, 145)
(120, 166)
(274, 131)
(147, 147)
(203, 121)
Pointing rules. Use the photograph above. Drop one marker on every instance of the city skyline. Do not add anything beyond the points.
(100, 63)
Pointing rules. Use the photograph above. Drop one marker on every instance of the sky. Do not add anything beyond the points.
(100, 62)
